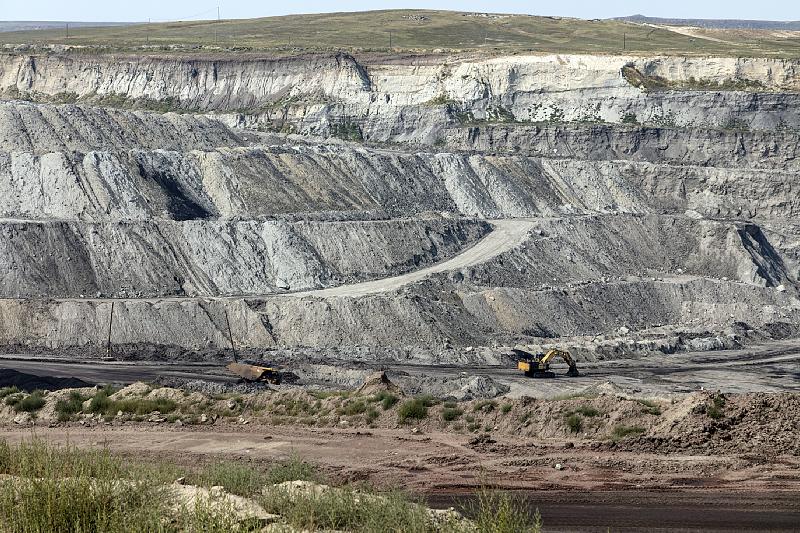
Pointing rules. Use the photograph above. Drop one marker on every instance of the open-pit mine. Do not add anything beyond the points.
(384, 228)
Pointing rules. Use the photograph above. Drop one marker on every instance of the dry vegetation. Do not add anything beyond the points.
(63, 488)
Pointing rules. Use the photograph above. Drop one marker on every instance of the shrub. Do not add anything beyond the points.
(714, 410)
(386, 398)
(13, 399)
(574, 423)
(352, 408)
(414, 408)
(372, 414)
(30, 403)
(506, 408)
(6, 391)
(100, 401)
(650, 407)
(630, 118)
(587, 411)
(451, 413)
(486, 406)
(66, 409)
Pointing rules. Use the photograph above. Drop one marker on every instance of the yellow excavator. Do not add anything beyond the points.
(538, 366)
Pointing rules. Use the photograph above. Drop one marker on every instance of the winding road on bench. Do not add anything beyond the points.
(506, 235)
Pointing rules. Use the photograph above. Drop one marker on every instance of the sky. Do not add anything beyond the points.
(161, 10)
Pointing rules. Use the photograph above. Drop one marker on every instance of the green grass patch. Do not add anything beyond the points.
(293, 469)
(321, 394)
(236, 478)
(501, 512)
(506, 408)
(63, 488)
(348, 509)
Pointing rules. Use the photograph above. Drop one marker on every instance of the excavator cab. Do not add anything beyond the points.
(538, 366)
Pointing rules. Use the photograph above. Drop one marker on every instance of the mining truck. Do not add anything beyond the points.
(255, 373)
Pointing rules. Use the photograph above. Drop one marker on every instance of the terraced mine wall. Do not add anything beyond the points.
(560, 200)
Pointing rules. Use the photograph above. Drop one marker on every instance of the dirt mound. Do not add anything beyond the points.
(749, 424)
(30, 382)
(377, 382)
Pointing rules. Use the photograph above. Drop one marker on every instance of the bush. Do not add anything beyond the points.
(352, 408)
(451, 413)
(486, 406)
(414, 408)
(621, 432)
(30, 403)
(574, 423)
(386, 398)
(100, 401)
(66, 409)
(102, 404)
(6, 391)
(506, 408)
(630, 118)
(13, 399)
(500, 512)
(650, 407)
(587, 411)
(372, 414)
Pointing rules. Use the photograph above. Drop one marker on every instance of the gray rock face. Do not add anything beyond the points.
(675, 214)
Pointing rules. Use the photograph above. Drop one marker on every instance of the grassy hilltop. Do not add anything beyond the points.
(424, 30)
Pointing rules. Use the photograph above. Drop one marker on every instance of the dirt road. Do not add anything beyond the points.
(768, 367)
(506, 235)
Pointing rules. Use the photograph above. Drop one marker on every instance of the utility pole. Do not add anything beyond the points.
(390, 38)
(230, 336)
(110, 322)
(216, 31)
(67, 30)
(624, 41)
(147, 32)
